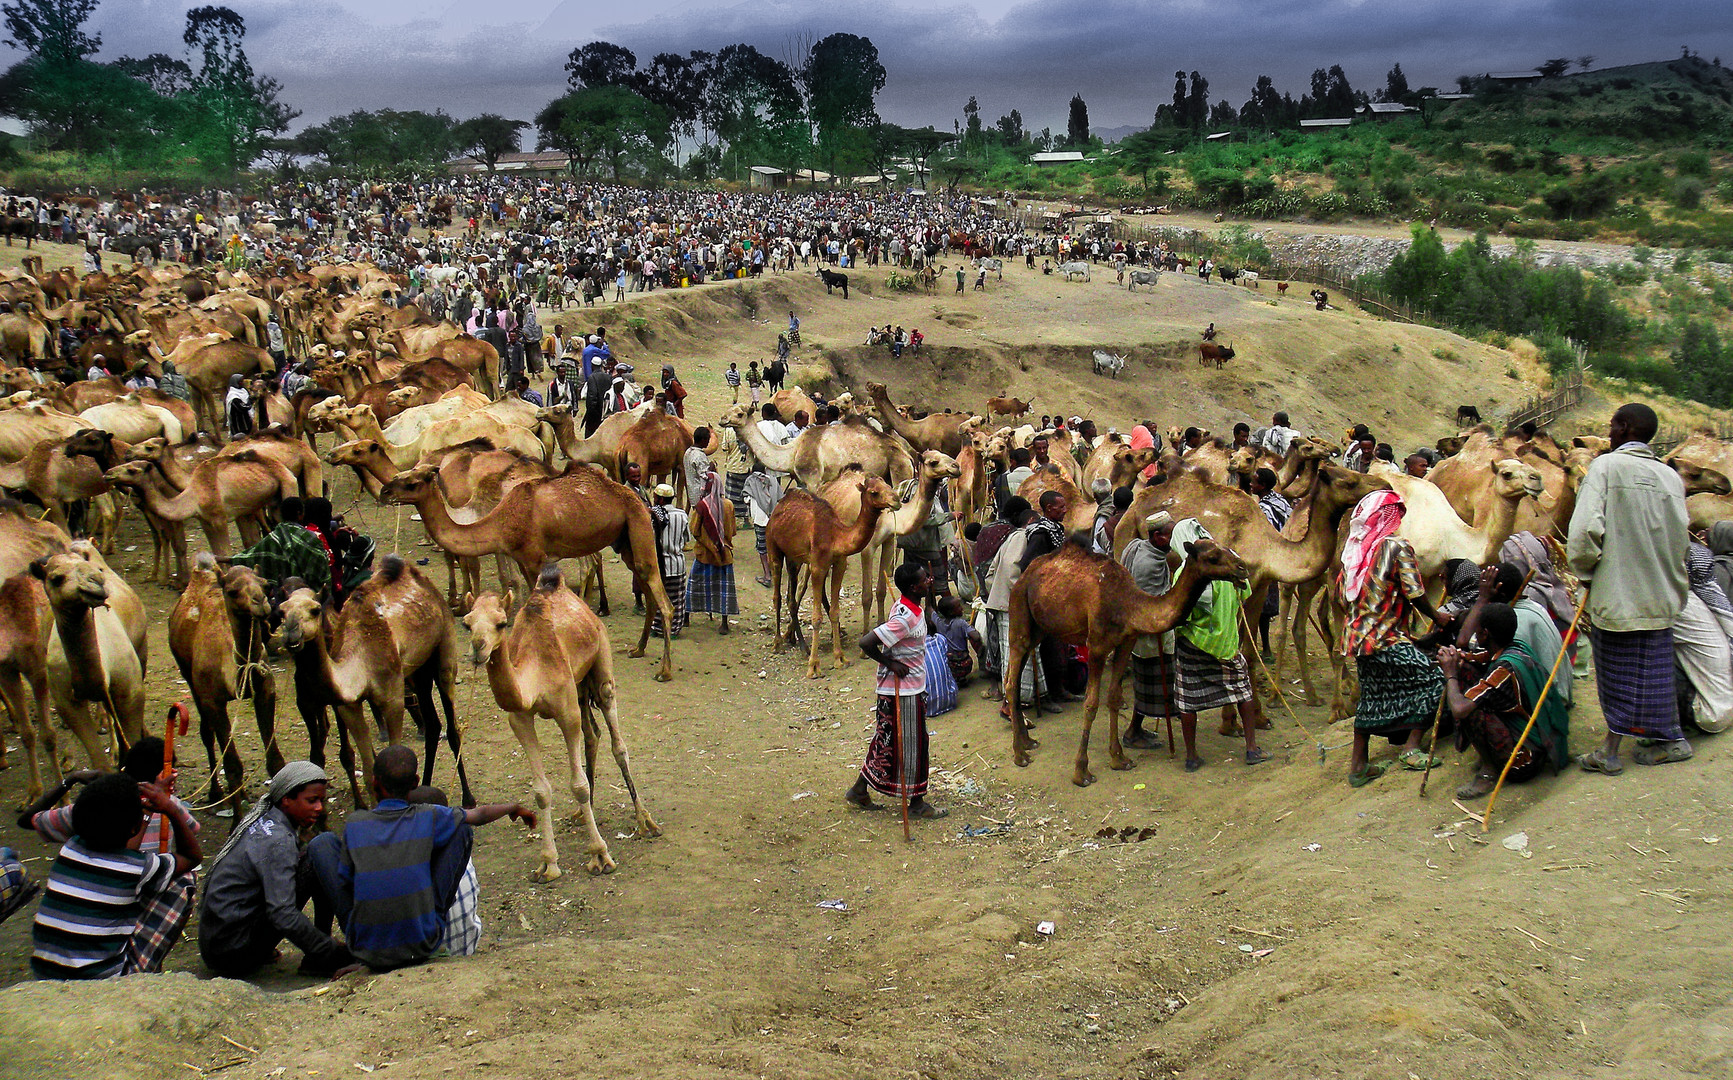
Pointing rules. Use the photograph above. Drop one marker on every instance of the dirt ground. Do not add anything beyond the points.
(1273, 923)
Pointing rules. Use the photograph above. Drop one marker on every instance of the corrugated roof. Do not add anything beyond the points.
(1055, 156)
(1331, 121)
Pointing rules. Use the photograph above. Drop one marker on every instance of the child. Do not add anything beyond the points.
(109, 909)
(899, 646)
(463, 918)
(754, 382)
(960, 636)
(732, 378)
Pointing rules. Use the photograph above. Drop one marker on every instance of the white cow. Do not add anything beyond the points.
(1071, 269)
(1143, 277)
(995, 265)
(1249, 277)
(1109, 364)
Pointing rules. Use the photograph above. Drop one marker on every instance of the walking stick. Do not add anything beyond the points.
(1569, 639)
(178, 717)
(902, 765)
(1431, 742)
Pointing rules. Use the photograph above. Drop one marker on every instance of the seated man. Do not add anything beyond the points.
(463, 919)
(1492, 695)
(291, 550)
(144, 763)
(109, 909)
(259, 881)
(1535, 628)
(394, 872)
(960, 635)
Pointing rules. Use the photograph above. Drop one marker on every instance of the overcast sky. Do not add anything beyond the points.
(506, 56)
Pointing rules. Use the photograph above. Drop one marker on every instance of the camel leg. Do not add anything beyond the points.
(1080, 774)
(355, 740)
(1302, 607)
(658, 602)
(820, 579)
(523, 725)
(836, 615)
(1115, 700)
(451, 594)
(602, 692)
(25, 722)
(776, 597)
(442, 679)
(76, 716)
(1020, 648)
(214, 732)
(597, 568)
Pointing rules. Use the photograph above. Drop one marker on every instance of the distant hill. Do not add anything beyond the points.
(1659, 100)
(1114, 134)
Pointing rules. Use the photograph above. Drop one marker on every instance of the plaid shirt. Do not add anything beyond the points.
(290, 550)
(1376, 617)
(463, 918)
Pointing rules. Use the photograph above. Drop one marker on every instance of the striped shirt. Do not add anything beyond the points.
(91, 909)
(388, 862)
(55, 826)
(731, 376)
(904, 636)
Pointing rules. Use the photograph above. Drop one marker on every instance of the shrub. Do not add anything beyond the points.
(1688, 193)
(1692, 163)
(1642, 254)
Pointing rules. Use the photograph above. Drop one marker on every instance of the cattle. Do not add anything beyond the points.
(1250, 277)
(1143, 277)
(1071, 268)
(833, 280)
(1467, 416)
(1109, 364)
(995, 265)
(1281, 288)
(1008, 406)
(1209, 351)
(1227, 274)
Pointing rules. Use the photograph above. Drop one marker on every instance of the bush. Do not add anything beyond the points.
(1625, 274)
(1688, 193)
(1692, 163)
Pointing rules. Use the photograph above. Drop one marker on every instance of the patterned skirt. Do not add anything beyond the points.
(1152, 690)
(883, 771)
(1399, 690)
(710, 590)
(675, 586)
(1634, 675)
(1202, 682)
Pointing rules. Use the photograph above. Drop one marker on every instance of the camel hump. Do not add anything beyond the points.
(551, 577)
(204, 560)
(391, 568)
(246, 455)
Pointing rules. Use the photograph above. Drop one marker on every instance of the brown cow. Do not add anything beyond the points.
(1209, 351)
(1008, 406)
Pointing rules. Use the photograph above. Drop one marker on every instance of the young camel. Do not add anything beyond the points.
(1090, 600)
(876, 559)
(805, 532)
(822, 452)
(577, 513)
(944, 432)
(90, 658)
(554, 660)
(59, 473)
(24, 618)
(216, 634)
(394, 627)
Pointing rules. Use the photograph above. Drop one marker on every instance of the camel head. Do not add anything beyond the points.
(321, 415)
(303, 619)
(934, 463)
(1697, 478)
(1244, 460)
(130, 474)
(137, 337)
(1450, 445)
(1600, 444)
(1516, 479)
(488, 620)
(70, 581)
(410, 486)
(736, 416)
(1577, 462)
(877, 495)
(557, 415)
(407, 397)
(1215, 562)
(154, 448)
(15, 401)
(244, 592)
(356, 453)
(93, 443)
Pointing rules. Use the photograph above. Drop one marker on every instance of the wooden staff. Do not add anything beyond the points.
(1432, 742)
(1570, 637)
(902, 765)
(178, 717)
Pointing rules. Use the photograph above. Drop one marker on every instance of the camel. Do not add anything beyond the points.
(207, 373)
(1700, 478)
(90, 660)
(569, 516)
(216, 634)
(1114, 458)
(477, 357)
(877, 558)
(944, 432)
(60, 473)
(218, 491)
(554, 660)
(1298, 555)
(969, 491)
(794, 400)
(1705, 451)
(133, 420)
(1090, 600)
(393, 628)
(25, 538)
(122, 600)
(1005, 405)
(1706, 508)
(24, 621)
(415, 417)
(805, 532)
(1079, 509)
(656, 444)
(22, 428)
(269, 407)
(821, 452)
(1469, 483)
(361, 424)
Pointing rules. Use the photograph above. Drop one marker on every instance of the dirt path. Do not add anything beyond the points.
(1398, 945)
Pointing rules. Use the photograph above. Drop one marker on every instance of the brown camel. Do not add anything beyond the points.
(217, 633)
(25, 538)
(24, 622)
(577, 513)
(477, 357)
(218, 491)
(805, 532)
(969, 491)
(876, 559)
(1114, 458)
(656, 444)
(554, 660)
(22, 428)
(945, 432)
(90, 659)
(1079, 510)
(1089, 600)
(394, 628)
(822, 452)
(60, 473)
(207, 373)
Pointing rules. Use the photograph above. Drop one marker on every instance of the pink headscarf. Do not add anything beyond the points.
(1141, 439)
(710, 508)
(1375, 517)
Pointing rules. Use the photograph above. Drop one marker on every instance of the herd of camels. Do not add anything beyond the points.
(412, 407)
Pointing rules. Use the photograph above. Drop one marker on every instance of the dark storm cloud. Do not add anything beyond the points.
(1119, 54)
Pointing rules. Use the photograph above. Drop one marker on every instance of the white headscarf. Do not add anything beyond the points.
(1188, 531)
(1376, 516)
(290, 778)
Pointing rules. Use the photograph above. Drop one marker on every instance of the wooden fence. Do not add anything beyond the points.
(1669, 437)
(1544, 408)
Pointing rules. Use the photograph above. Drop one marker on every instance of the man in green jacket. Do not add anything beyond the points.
(1209, 672)
(1628, 538)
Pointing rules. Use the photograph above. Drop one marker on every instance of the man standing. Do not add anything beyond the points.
(1627, 545)
(899, 646)
(1209, 670)
(712, 584)
(1151, 654)
(674, 532)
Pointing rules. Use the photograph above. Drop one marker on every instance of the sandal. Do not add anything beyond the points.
(926, 811)
(1597, 761)
(1141, 740)
(1663, 753)
(1372, 771)
(1480, 786)
(1193, 764)
(1257, 755)
(1416, 760)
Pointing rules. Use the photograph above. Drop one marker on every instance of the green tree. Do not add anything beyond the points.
(489, 137)
(607, 124)
(922, 144)
(1197, 102)
(1705, 369)
(752, 102)
(1395, 87)
(1077, 122)
(600, 63)
(1552, 69)
(1140, 154)
(953, 171)
(231, 110)
(51, 30)
(842, 76)
(1010, 128)
(972, 137)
